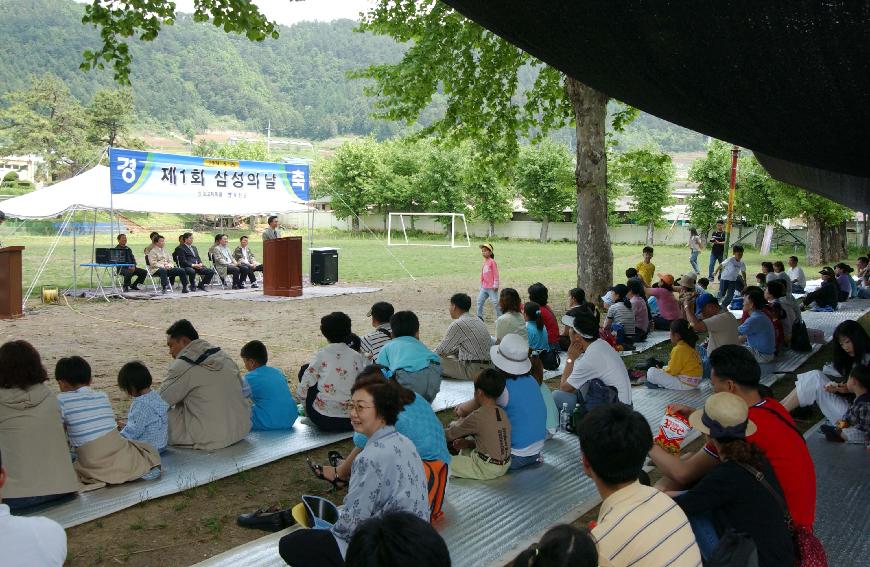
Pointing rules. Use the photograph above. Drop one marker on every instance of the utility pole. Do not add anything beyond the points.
(735, 153)
(269, 138)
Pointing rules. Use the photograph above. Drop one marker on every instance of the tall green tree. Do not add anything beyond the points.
(544, 177)
(110, 114)
(711, 172)
(439, 183)
(647, 176)
(491, 200)
(45, 119)
(477, 75)
(352, 178)
(826, 221)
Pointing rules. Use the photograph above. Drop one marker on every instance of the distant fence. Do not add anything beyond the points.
(527, 230)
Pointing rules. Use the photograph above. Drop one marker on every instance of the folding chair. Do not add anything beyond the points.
(217, 275)
(150, 277)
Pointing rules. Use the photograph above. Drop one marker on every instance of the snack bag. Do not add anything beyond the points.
(672, 431)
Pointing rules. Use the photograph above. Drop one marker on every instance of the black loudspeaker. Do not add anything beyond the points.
(324, 266)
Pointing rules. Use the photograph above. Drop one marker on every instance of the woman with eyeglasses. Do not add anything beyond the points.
(389, 459)
(418, 422)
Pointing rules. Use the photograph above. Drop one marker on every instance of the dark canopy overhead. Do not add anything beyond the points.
(789, 80)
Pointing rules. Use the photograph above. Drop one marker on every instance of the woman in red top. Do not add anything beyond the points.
(538, 293)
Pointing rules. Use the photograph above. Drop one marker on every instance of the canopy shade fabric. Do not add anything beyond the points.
(90, 190)
(789, 80)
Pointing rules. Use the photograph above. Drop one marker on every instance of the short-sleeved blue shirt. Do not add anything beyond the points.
(274, 406)
(759, 333)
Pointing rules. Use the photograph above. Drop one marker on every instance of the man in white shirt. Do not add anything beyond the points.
(599, 360)
(28, 541)
(730, 273)
(796, 275)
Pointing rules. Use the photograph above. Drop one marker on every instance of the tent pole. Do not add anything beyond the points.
(93, 245)
(75, 217)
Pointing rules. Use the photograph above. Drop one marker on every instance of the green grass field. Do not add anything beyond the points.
(366, 258)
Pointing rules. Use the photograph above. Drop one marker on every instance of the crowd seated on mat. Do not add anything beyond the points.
(511, 319)
(561, 546)
(397, 539)
(637, 524)
(464, 350)
(412, 363)
(28, 541)
(29, 410)
(371, 343)
(416, 421)
(325, 383)
(521, 399)
(204, 390)
(735, 370)
(272, 403)
(148, 416)
(539, 293)
(705, 316)
(828, 388)
(825, 297)
(757, 332)
(102, 455)
(388, 459)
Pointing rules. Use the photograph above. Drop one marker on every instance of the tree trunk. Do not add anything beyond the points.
(594, 252)
(545, 229)
(864, 233)
(844, 241)
(354, 223)
(650, 228)
(759, 237)
(490, 232)
(814, 241)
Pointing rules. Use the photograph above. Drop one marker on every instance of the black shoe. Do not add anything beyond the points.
(126, 288)
(135, 287)
(832, 433)
(165, 288)
(241, 286)
(270, 521)
(201, 286)
(253, 285)
(185, 290)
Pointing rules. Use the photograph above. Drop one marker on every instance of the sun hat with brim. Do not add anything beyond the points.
(487, 245)
(511, 355)
(688, 279)
(724, 416)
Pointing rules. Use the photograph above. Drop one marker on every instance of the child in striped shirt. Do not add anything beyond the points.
(102, 455)
(147, 418)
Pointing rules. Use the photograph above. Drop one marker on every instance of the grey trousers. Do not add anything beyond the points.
(426, 382)
(461, 370)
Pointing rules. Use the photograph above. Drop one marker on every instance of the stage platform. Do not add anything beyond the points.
(147, 293)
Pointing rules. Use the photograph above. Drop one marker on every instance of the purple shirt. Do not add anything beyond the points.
(844, 282)
(668, 307)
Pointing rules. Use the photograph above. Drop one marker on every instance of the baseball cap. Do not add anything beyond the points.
(827, 271)
(667, 279)
(703, 300)
(688, 280)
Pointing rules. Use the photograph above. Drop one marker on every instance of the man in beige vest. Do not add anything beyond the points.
(204, 389)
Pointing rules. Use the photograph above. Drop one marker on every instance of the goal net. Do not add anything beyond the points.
(400, 224)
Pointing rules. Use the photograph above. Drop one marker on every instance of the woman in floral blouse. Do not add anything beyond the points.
(387, 476)
(325, 385)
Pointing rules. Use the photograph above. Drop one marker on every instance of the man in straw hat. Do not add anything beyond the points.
(742, 492)
(614, 440)
(735, 370)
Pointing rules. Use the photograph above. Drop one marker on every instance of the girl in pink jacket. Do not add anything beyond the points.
(488, 281)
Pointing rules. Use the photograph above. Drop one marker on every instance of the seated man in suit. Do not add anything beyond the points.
(224, 262)
(188, 260)
(130, 272)
(245, 257)
(161, 265)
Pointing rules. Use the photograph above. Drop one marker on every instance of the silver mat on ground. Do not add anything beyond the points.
(484, 522)
(653, 339)
(184, 468)
(247, 294)
(842, 499)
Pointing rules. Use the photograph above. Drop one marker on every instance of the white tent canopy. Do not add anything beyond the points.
(90, 190)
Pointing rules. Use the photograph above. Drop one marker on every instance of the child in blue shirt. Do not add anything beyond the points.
(757, 332)
(274, 406)
(537, 343)
(147, 418)
(414, 365)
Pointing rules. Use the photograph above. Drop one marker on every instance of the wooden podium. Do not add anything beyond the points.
(282, 267)
(10, 282)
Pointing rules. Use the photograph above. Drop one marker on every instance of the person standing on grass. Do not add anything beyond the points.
(695, 247)
(717, 250)
(730, 271)
(645, 268)
(488, 281)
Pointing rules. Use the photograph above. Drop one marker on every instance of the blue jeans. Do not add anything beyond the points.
(705, 533)
(693, 260)
(25, 502)
(523, 462)
(726, 292)
(712, 265)
(863, 293)
(705, 361)
(561, 397)
(487, 292)
(795, 288)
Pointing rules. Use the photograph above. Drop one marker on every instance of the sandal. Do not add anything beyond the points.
(337, 483)
(335, 458)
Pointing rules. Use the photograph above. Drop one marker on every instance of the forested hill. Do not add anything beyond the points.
(195, 76)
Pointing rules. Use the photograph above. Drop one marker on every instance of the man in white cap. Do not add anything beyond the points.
(588, 359)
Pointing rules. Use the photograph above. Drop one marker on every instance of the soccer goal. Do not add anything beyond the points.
(397, 222)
